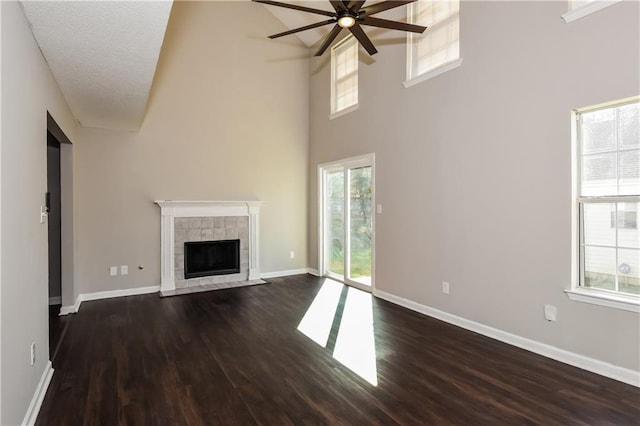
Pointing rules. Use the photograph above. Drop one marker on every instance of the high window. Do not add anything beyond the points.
(607, 186)
(344, 77)
(581, 8)
(438, 49)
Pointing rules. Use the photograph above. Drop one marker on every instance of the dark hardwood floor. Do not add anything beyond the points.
(236, 357)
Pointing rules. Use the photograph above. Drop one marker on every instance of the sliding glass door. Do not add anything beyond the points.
(347, 221)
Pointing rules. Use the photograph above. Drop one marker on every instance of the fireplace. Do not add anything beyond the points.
(207, 221)
(207, 258)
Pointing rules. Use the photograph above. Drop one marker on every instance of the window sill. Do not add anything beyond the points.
(342, 112)
(616, 301)
(587, 9)
(433, 73)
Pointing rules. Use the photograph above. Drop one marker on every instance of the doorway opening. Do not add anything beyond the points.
(59, 203)
(347, 237)
(54, 220)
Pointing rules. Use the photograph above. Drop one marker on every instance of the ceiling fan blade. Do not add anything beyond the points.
(338, 5)
(296, 7)
(382, 6)
(306, 27)
(329, 39)
(355, 5)
(359, 34)
(393, 25)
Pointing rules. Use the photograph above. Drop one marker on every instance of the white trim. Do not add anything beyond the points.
(313, 272)
(344, 111)
(55, 300)
(587, 9)
(364, 160)
(440, 69)
(322, 270)
(38, 396)
(66, 310)
(287, 273)
(119, 293)
(606, 369)
(576, 292)
(616, 301)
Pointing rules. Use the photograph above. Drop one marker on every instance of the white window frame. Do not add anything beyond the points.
(413, 39)
(365, 160)
(581, 8)
(627, 302)
(347, 42)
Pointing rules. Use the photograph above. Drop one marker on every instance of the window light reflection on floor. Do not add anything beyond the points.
(355, 347)
(355, 343)
(316, 323)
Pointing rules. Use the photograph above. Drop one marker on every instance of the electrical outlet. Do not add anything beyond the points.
(33, 353)
(113, 271)
(124, 270)
(550, 312)
(379, 208)
(292, 254)
(445, 287)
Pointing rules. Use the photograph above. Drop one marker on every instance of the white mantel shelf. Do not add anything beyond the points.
(211, 208)
(170, 209)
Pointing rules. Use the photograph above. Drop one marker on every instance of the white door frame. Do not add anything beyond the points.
(345, 164)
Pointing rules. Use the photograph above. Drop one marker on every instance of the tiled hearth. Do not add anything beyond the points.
(190, 221)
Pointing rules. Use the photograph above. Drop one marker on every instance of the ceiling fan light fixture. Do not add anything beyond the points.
(346, 21)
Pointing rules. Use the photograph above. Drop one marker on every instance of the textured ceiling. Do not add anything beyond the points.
(102, 54)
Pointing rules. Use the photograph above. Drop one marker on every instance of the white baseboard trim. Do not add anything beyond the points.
(38, 396)
(66, 310)
(606, 369)
(56, 300)
(283, 273)
(313, 272)
(119, 293)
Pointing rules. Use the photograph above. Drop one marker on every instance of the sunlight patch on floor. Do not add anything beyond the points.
(355, 343)
(316, 323)
(355, 347)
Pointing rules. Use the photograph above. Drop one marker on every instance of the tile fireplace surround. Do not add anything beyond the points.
(211, 221)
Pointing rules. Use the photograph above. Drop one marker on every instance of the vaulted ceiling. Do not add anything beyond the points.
(103, 54)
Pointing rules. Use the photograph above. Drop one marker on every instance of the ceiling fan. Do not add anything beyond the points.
(349, 14)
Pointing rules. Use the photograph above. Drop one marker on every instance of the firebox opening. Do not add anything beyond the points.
(205, 258)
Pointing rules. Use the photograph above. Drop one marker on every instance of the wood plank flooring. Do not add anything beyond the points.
(235, 357)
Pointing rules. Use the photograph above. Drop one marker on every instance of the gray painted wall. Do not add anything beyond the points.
(28, 91)
(474, 167)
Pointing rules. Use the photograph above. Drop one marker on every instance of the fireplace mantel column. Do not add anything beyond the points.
(167, 249)
(254, 270)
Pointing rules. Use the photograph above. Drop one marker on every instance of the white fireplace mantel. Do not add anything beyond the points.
(170, 209)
